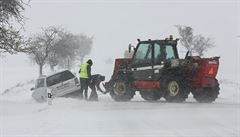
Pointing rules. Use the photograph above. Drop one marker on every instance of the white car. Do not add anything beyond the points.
(63, 83)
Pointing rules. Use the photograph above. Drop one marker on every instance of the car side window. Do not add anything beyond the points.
(59, 77)
(66, 75)
(52, 80)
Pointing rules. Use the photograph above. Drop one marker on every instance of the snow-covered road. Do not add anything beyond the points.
(71, 117)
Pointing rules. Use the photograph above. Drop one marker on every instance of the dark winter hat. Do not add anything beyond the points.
(90, 62)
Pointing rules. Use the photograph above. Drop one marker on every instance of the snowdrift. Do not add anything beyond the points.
(20, 115)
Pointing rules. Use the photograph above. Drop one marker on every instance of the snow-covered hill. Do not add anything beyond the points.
(19, 92)
(21, 116)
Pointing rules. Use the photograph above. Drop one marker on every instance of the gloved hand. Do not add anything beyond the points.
(91, 81)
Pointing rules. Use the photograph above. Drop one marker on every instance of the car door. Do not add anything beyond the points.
(61, 83)
(68, 83)
(142, 64)
(55, 84)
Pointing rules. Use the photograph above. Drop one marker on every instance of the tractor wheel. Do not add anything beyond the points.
(122, 91)
(175, 89)
(207, 95)
(151, 95)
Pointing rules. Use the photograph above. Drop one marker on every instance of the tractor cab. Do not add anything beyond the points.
(150, 56)
(154, 52)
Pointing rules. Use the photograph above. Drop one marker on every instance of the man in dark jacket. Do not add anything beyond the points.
(95, 85)
(85, 75)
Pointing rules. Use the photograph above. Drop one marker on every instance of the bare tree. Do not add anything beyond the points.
(10, 39)
(41, 46)
(85, 46)
(53, 60)
(194, 43)
(186, 37)
(202, 44)
(70, 48)
(63, 51)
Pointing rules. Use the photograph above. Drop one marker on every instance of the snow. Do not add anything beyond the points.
(21, 116)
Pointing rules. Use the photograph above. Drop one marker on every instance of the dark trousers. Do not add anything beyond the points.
(93, 95)
(84, 87)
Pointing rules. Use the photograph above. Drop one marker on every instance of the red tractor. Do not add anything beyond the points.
(155, 70)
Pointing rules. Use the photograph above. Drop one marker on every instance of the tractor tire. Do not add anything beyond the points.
(207, 95)
(122, 91)
(151, 95)
(175, 89)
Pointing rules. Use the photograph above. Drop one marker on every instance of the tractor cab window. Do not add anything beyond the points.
(143, 54)
(157, 54)
(169, 52)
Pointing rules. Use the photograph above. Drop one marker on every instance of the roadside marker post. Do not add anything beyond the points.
(49, 97)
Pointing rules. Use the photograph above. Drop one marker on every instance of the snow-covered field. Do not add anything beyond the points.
(21, 116)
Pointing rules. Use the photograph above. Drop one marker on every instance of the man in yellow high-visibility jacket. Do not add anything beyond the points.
(85, 75)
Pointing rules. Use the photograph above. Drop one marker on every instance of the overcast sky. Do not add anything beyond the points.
(114, 24)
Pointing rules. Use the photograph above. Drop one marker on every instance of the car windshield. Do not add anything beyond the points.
(39, 83)
(59, 77)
